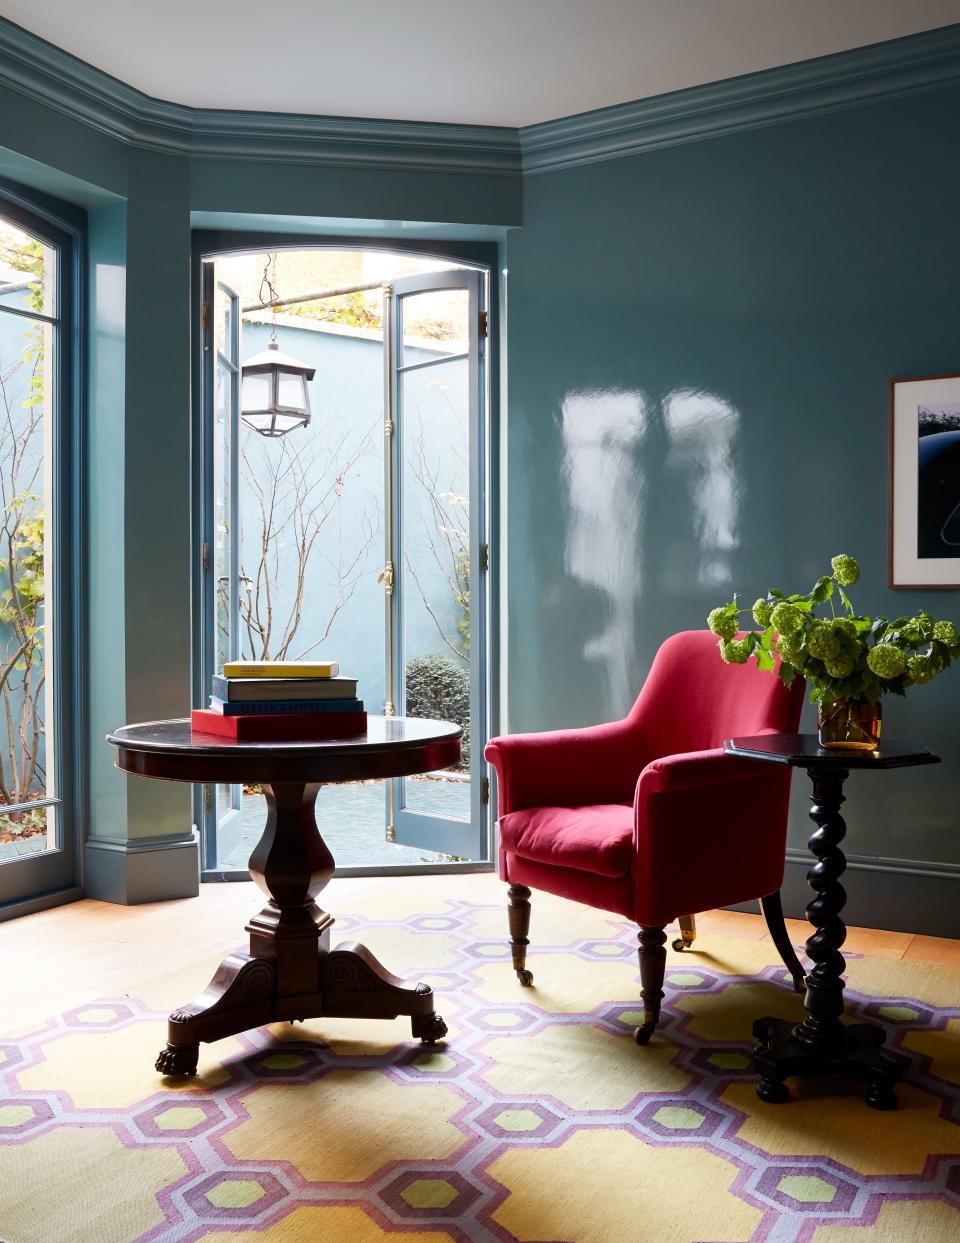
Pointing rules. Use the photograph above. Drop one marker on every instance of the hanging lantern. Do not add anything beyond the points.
(274, 398)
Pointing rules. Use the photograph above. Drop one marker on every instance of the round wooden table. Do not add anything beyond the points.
(290, 971)
(821, 1044)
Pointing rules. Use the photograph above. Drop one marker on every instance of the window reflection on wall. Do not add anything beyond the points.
(605, 484)
(701, 434)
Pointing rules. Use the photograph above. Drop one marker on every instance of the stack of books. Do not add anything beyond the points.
(283, 701)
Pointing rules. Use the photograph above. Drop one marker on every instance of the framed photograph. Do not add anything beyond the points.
(924, 487)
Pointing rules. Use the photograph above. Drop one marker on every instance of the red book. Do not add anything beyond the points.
(290, 727)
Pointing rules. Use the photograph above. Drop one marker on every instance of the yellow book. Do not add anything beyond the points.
(281, 669)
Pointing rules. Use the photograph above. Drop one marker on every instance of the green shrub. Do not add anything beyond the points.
(439, 688)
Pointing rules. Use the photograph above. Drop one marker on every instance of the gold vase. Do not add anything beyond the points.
(848, 725)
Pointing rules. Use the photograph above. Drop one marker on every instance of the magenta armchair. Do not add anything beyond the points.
(646, 816)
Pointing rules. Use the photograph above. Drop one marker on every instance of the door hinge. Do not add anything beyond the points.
(484, 558)
(484, 323)
(485, 791)
(205, 316)
(391, 833)
(208, 798)
(205, 556)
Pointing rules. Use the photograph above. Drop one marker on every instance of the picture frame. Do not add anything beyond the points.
(923, 506)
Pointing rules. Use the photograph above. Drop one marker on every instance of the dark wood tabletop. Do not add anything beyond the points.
(392, 746)
(804, 751)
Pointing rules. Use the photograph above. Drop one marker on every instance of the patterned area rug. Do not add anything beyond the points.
(539, 1119)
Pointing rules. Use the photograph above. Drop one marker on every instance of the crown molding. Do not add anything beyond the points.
(789, 92)
(45, 73)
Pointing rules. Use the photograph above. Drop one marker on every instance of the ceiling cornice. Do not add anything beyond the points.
(787, 93)
(45, 73)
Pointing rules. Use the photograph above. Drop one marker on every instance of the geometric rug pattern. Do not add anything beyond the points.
(539, 1119)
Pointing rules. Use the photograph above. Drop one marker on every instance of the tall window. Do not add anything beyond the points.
(32, 341)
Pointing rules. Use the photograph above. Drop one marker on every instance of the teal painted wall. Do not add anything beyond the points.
(699, 347)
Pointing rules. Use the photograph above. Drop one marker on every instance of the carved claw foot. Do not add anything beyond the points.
(524, 976)
(773, 1091)
(178, 1059)
(428, 1028)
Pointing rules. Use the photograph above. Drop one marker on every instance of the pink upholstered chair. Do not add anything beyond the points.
(646, 816)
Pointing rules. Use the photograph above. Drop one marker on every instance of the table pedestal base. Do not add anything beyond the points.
(779, 1053)
(291, 973)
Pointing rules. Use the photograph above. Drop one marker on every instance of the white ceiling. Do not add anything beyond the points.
(493, 62)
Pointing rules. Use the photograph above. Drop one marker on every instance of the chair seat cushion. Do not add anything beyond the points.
(597, 839)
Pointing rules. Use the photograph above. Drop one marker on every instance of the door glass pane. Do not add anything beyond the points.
(27, 392)
(435, 552)
(222, 520)
(434, 323)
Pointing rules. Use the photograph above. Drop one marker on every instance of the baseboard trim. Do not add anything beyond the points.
(899, 895)
(151, 869)
(42, 902)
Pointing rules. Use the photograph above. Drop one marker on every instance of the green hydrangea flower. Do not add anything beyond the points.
(945, 631)
(761, 612)
(918, 669)
(844, 624)
(845, 569)
(823, 641)
(886, 661)
(790, 647)
(787, 618)
(840, 666)
(734, 652)
(722, 623)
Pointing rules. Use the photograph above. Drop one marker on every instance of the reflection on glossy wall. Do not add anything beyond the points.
(699, 349)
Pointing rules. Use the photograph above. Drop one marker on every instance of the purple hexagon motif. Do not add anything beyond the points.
(429, 1193)
(179, 1118)
(289, 1062)
(99, 1015)
(436, 923)
(234, 1195)
(899, 1013)
(21, 1115)
(724, 1061)
(679, 1117)
(10, 1056)
(953, 1180)
(505, 1019)
(607, 950)
(518, 1122)
(812, 1188)
(490, 950)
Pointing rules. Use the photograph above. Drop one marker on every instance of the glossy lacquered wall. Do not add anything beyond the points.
(700, 341)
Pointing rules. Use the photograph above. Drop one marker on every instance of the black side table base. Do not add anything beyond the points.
(779, 1054)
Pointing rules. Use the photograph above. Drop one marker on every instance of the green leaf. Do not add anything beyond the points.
(822, 590)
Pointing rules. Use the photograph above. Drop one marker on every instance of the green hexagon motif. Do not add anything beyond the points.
(15, 1115)
(807, 1188)
(518, 1120)
(678, 1119)
(685, 979)
(502, 1018)
(179, 1118)
(283, 1061)
(430, 1193)
(729, 1061)
(235, 1193)
(434, 1062)
(899, 1014)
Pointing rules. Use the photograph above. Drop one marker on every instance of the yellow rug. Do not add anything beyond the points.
(538, 1119)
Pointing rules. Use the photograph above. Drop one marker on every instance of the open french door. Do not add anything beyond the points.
(436, 545)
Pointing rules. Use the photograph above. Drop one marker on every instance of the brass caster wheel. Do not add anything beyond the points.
(178, 1059)
(799, 984)
(679, 944)
(429, 1028)
(643, 1033)
(525, 977)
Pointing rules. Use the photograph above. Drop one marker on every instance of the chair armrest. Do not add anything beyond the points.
(709, 831)
(567, 767)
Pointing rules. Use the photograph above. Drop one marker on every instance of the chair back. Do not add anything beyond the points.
(692, 700)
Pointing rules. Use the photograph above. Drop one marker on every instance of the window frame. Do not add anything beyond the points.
(55, 876)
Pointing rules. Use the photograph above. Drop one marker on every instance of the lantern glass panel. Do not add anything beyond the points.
(259, 422)
(291, 394)
(255, 394)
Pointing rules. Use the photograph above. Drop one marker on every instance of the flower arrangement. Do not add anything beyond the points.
(850, 659)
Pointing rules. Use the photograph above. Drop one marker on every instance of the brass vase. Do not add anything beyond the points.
(848, 725)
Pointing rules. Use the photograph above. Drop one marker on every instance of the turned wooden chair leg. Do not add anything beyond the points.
(773, 915)
(519, 915)
(688, 932)
(653, 962)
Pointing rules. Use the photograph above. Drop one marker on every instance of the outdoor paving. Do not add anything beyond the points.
(352, 822)
(23, 848)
